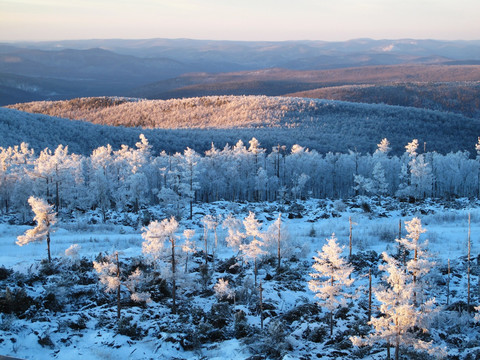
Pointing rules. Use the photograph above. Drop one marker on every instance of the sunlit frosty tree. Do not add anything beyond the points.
(45, 218)
(254, 248)
(332, 275)
(399, 321)
(419, 265)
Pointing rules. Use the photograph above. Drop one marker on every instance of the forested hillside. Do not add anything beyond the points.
(278, 81)
(317, 124)
(462, 98)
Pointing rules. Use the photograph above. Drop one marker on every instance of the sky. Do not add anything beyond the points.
(273, 20)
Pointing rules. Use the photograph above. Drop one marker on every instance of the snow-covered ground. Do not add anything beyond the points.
(164, 333)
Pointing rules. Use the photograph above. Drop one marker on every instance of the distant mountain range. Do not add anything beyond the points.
(175, 68)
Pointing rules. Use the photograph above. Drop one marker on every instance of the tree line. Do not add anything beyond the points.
(131, 178)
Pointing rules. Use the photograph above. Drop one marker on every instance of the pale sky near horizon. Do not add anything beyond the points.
(275, 20)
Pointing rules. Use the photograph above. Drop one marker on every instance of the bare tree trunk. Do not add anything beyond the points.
(255, 271)
(350, 238)
(174, 285)
(118, 288)
(48, 247)
(261, 305)
(205, 234)
(57, 197)
(369, 294)
(448, 283)
(331, 313)
(215, 245)
(278, 241)
(415, 257)
(331, 323)
(468, 266)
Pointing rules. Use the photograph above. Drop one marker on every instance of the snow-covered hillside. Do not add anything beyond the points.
(317, 124)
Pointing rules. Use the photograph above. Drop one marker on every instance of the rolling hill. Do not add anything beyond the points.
(443, 82)
(196, 122)
(458, 97)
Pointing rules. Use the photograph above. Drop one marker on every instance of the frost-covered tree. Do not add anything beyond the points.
(384, 146)
(477, 149)
(380, 185)
(332, 276)
(421, 177)
(189, 245)
(110, 275)
(254, 248)
(223, 290)
(155, 237)
(276, 238)
(411, 148)
(55, 172)
(189, 173)
(235, 235)
(102, 178)
(419, 265)
(45, 217)
(399, 321)
(73, 251)
(210, 222)
(477, 315)
(15, 162)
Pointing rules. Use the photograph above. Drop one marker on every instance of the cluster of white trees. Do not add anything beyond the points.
(163, 250)
(403, 311)
(129, 178)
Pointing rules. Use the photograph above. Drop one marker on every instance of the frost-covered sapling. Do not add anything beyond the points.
(109, 273)
(45, 218)
(156, 235)
(253, 249)
(332, 275)
(223, 291)
(210, 222)
(276, 239)
(399, 321)
(235, 235)
(72, 252)
(189, 245)
(477, 315)
(419, 265)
